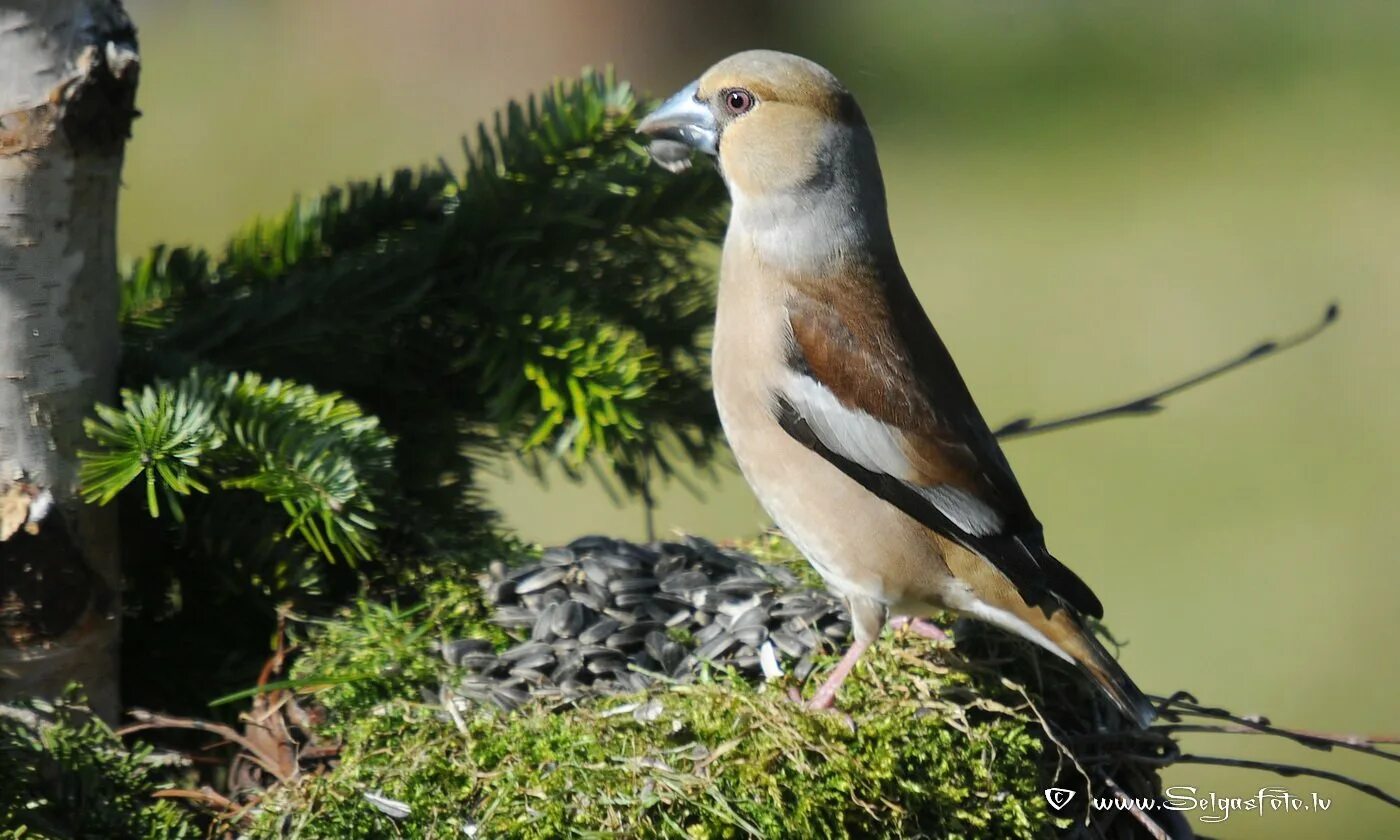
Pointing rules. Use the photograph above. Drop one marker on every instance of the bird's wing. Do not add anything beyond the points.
(871, 387)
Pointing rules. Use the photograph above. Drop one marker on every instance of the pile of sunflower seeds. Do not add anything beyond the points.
(602, 616)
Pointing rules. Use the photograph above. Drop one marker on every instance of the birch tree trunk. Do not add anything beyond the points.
(68, 72)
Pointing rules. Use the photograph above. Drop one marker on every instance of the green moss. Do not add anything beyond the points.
(927, 750)
(715, 760)
(371, 652)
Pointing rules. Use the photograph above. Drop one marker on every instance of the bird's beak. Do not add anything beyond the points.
(685, 119)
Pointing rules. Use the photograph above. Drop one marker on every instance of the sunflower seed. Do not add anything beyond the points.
(682, 583)
(744, 586)
(784, 577)
(736, 606)
(593, 542)
(756, 616)
(705, 598)
(600, 613)
(632, 681)
(633, 634)
(566, 670)
(753, 635)
(642, 554)
(529, 675)
(525, 649)
(543, 630)
(521, 572)
(557, 557)
(670, 564)
(708, 632)
(590, 600)
(483, 662)
(453, 651)
(596, 571)
(655, 644)
(654, 610)
(543, 579)
(509, 699)
(837, 631)
(537, 662)
(607, 664)
(569, 618)
(622, 616)
(598, 631)
(745, 661)
(715, 647)
(768, 662)
(672, 655)
(513, 617)
(618, 563)
(787, 642)
(391, 807)
(635, 584)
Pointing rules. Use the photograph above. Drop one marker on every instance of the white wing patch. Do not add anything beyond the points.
(850, 433)
(963, 509)
(878, 447)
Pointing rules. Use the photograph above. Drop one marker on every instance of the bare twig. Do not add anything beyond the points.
(1315, 740)
(1291, 770)
(1129, 804)
(150, 720)
(226, 810)
(1183, 703)
(1152, 403)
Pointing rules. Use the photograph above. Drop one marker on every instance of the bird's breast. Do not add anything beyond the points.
(860, 544)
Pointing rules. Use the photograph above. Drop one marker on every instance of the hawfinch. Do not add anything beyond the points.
(842, 405)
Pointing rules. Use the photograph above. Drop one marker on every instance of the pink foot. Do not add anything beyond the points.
(825, 697)
(926, 629)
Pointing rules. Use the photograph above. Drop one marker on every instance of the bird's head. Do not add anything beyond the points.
(775, 121)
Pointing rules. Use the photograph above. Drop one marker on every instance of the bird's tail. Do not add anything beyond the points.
(1091, 656)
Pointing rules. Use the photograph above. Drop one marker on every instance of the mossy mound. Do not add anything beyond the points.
(924, 752)
(929, 742)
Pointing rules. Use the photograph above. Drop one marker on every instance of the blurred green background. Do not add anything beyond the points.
(1091, 199)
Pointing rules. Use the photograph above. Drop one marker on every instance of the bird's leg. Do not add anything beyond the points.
(826, 695)
(926, 629)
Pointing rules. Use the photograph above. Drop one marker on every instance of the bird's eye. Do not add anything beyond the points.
(738, 101)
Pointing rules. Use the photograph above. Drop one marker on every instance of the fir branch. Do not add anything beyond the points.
(422, 296)
(317, 456)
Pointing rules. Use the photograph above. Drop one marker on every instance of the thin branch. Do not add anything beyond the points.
(150, 720)
(1316, 740)
(1291, 770)
(1155, 830)
(1152, 403)
(1183, 703)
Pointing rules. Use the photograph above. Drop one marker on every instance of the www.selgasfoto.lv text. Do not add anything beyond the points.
(1214, 808)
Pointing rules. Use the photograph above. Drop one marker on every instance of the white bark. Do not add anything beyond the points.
(68, 73)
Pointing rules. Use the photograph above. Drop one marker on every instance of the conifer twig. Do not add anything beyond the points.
(1152, 403)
